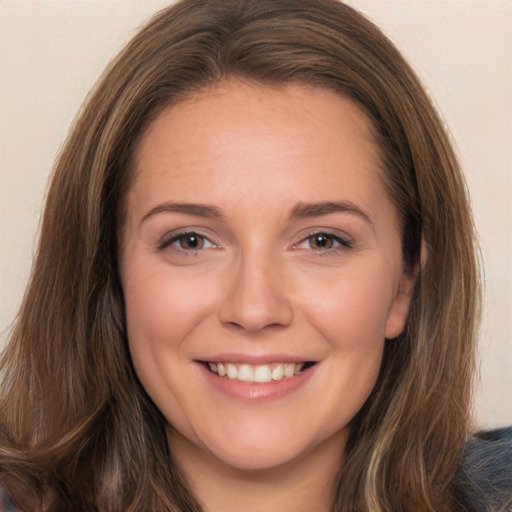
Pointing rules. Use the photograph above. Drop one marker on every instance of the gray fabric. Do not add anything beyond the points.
(484, 482)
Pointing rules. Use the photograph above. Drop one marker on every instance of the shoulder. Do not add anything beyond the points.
(6, 504)
(484, 481)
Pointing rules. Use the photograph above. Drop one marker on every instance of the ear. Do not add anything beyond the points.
(397, 317)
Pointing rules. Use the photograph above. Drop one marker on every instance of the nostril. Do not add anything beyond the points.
(256, 327)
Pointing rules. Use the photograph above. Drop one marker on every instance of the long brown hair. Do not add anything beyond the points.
(77, 430)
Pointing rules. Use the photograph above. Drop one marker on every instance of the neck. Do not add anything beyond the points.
(302, 485)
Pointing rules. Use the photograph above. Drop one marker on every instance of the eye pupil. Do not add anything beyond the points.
(321, 241)
(191, 241)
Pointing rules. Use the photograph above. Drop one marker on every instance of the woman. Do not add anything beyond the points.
(256, 266)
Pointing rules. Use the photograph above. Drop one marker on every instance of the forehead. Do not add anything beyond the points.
(258, 143)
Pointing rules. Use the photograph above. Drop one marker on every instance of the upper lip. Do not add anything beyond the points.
(256, 359)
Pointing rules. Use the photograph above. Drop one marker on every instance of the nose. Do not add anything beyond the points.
(256, 296)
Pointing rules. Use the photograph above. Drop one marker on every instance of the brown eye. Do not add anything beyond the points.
(190, 242)
(325, 242)
(321, 241)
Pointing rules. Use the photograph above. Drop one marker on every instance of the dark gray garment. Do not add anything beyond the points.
(484, 482)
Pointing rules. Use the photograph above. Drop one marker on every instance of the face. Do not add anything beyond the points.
(262, 271)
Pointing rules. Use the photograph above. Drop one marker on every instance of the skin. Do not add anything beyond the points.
(260, 284)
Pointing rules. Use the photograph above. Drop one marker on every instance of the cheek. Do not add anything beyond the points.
(350, 309)
(162, 307)
(350, 314)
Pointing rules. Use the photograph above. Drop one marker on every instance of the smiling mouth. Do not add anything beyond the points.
(258, 373)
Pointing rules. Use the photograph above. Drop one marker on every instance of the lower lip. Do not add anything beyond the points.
(257, 390)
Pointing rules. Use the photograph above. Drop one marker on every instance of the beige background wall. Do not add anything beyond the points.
(51, 52)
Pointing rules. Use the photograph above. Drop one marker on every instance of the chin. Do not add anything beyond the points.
(267, 449)
(263, 459)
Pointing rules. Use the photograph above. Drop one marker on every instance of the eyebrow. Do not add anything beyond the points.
(306, 210)
(300, 210)
(200, 210)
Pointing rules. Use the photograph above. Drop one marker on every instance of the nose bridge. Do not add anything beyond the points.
(257, 296)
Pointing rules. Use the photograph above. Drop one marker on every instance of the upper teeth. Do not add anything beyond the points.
(261, 373)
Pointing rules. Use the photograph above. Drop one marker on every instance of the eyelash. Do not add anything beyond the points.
(344, 244)
(171, 238)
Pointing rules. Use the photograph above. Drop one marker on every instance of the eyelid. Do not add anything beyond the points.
(169, 238)
(344, 242)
